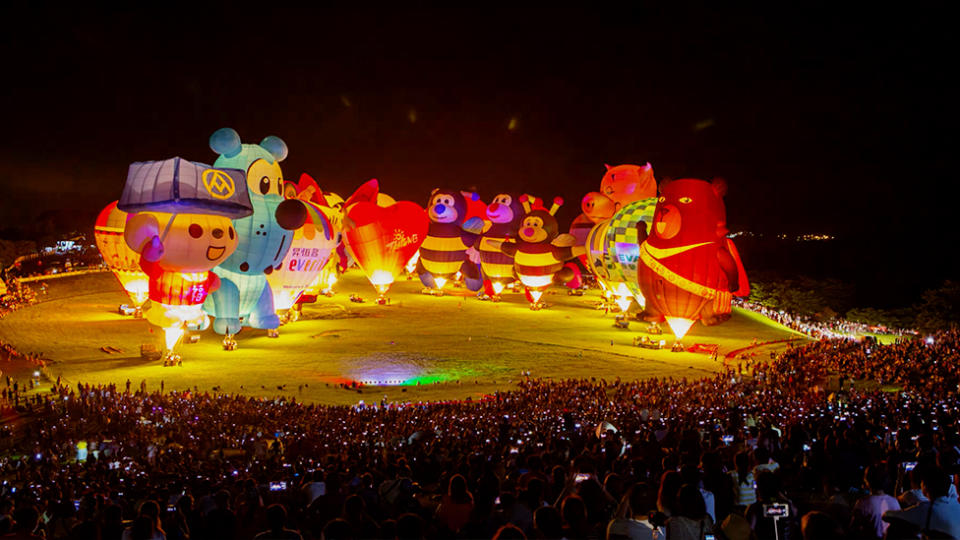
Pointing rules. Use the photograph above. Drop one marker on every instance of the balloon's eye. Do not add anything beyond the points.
(195, 230)
(264, 185)
(231, 233)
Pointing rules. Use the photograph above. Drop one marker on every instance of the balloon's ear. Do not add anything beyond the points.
(225, 141)
(435, 190)
(139, 230)
(276, 147)
(290, 191)
(719, 187)
(646, 173)
(663, 183)
(607, 166)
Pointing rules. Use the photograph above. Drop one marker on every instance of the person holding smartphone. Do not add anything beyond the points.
(773, 515)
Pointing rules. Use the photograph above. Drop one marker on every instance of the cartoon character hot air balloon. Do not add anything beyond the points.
(119, 258)
(688, 268)
(382, 239)
(309, 253)
(540, 251)
(503, 218)
(182, 229)
(443, 254)
(246, 298)
(620, 186)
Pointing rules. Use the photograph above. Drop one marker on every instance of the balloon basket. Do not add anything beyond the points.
(273, 333)
(537, 306)
(292, 315)
(229, 343)
(431, 292)
(171, 359)
(382, 300)
(574, 292)
(138, 313)
(621, 321)
(646, 343)
(677, 347)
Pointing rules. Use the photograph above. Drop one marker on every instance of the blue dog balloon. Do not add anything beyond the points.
(244, 297)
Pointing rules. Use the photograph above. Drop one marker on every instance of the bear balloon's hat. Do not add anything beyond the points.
(177, 185)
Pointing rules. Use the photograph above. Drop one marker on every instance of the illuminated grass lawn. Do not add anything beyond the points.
(417, 348)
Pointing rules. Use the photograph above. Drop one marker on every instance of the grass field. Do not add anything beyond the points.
(418, 348)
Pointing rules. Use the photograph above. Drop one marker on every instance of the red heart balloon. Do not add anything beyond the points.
(382, 239)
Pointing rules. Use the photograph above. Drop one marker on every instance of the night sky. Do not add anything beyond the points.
(820, 121)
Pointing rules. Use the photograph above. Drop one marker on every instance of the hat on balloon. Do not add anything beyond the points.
(177, 185)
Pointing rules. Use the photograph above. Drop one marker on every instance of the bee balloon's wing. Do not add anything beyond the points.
(564, 240)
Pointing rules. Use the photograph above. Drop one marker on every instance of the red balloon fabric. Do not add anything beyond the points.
(383, 239)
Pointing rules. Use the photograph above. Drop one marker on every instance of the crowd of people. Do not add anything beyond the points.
(833, 329)
(18, 295)
(770, 454)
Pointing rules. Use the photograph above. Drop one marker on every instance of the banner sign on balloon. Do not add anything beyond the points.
(309, 252)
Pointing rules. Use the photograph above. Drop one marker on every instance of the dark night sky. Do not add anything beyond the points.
(820, 121)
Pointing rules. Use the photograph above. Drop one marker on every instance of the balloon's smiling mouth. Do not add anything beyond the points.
(215, 252)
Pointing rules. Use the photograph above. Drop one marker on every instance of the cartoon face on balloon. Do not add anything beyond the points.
(447, 206)
(182, 242)
(504, 208)
(266, 235)
(538, 226)
(689, 211)
(621, 185)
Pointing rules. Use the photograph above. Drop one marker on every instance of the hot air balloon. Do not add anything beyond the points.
(246, 298)
(623, 247)
(620, 186)
(688, 269)
(443, 255)
(382, 239)
(502, 221)
(329, 206)
(309, 253)
(540, 251)
(119, 258)
(182, 229)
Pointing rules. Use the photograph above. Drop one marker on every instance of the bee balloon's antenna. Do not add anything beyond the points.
(525, 201)
(557, 203)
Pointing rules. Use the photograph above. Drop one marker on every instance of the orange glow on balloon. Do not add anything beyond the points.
(119, 258)
(383, 239)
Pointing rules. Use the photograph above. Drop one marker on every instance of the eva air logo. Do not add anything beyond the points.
(218, 183)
